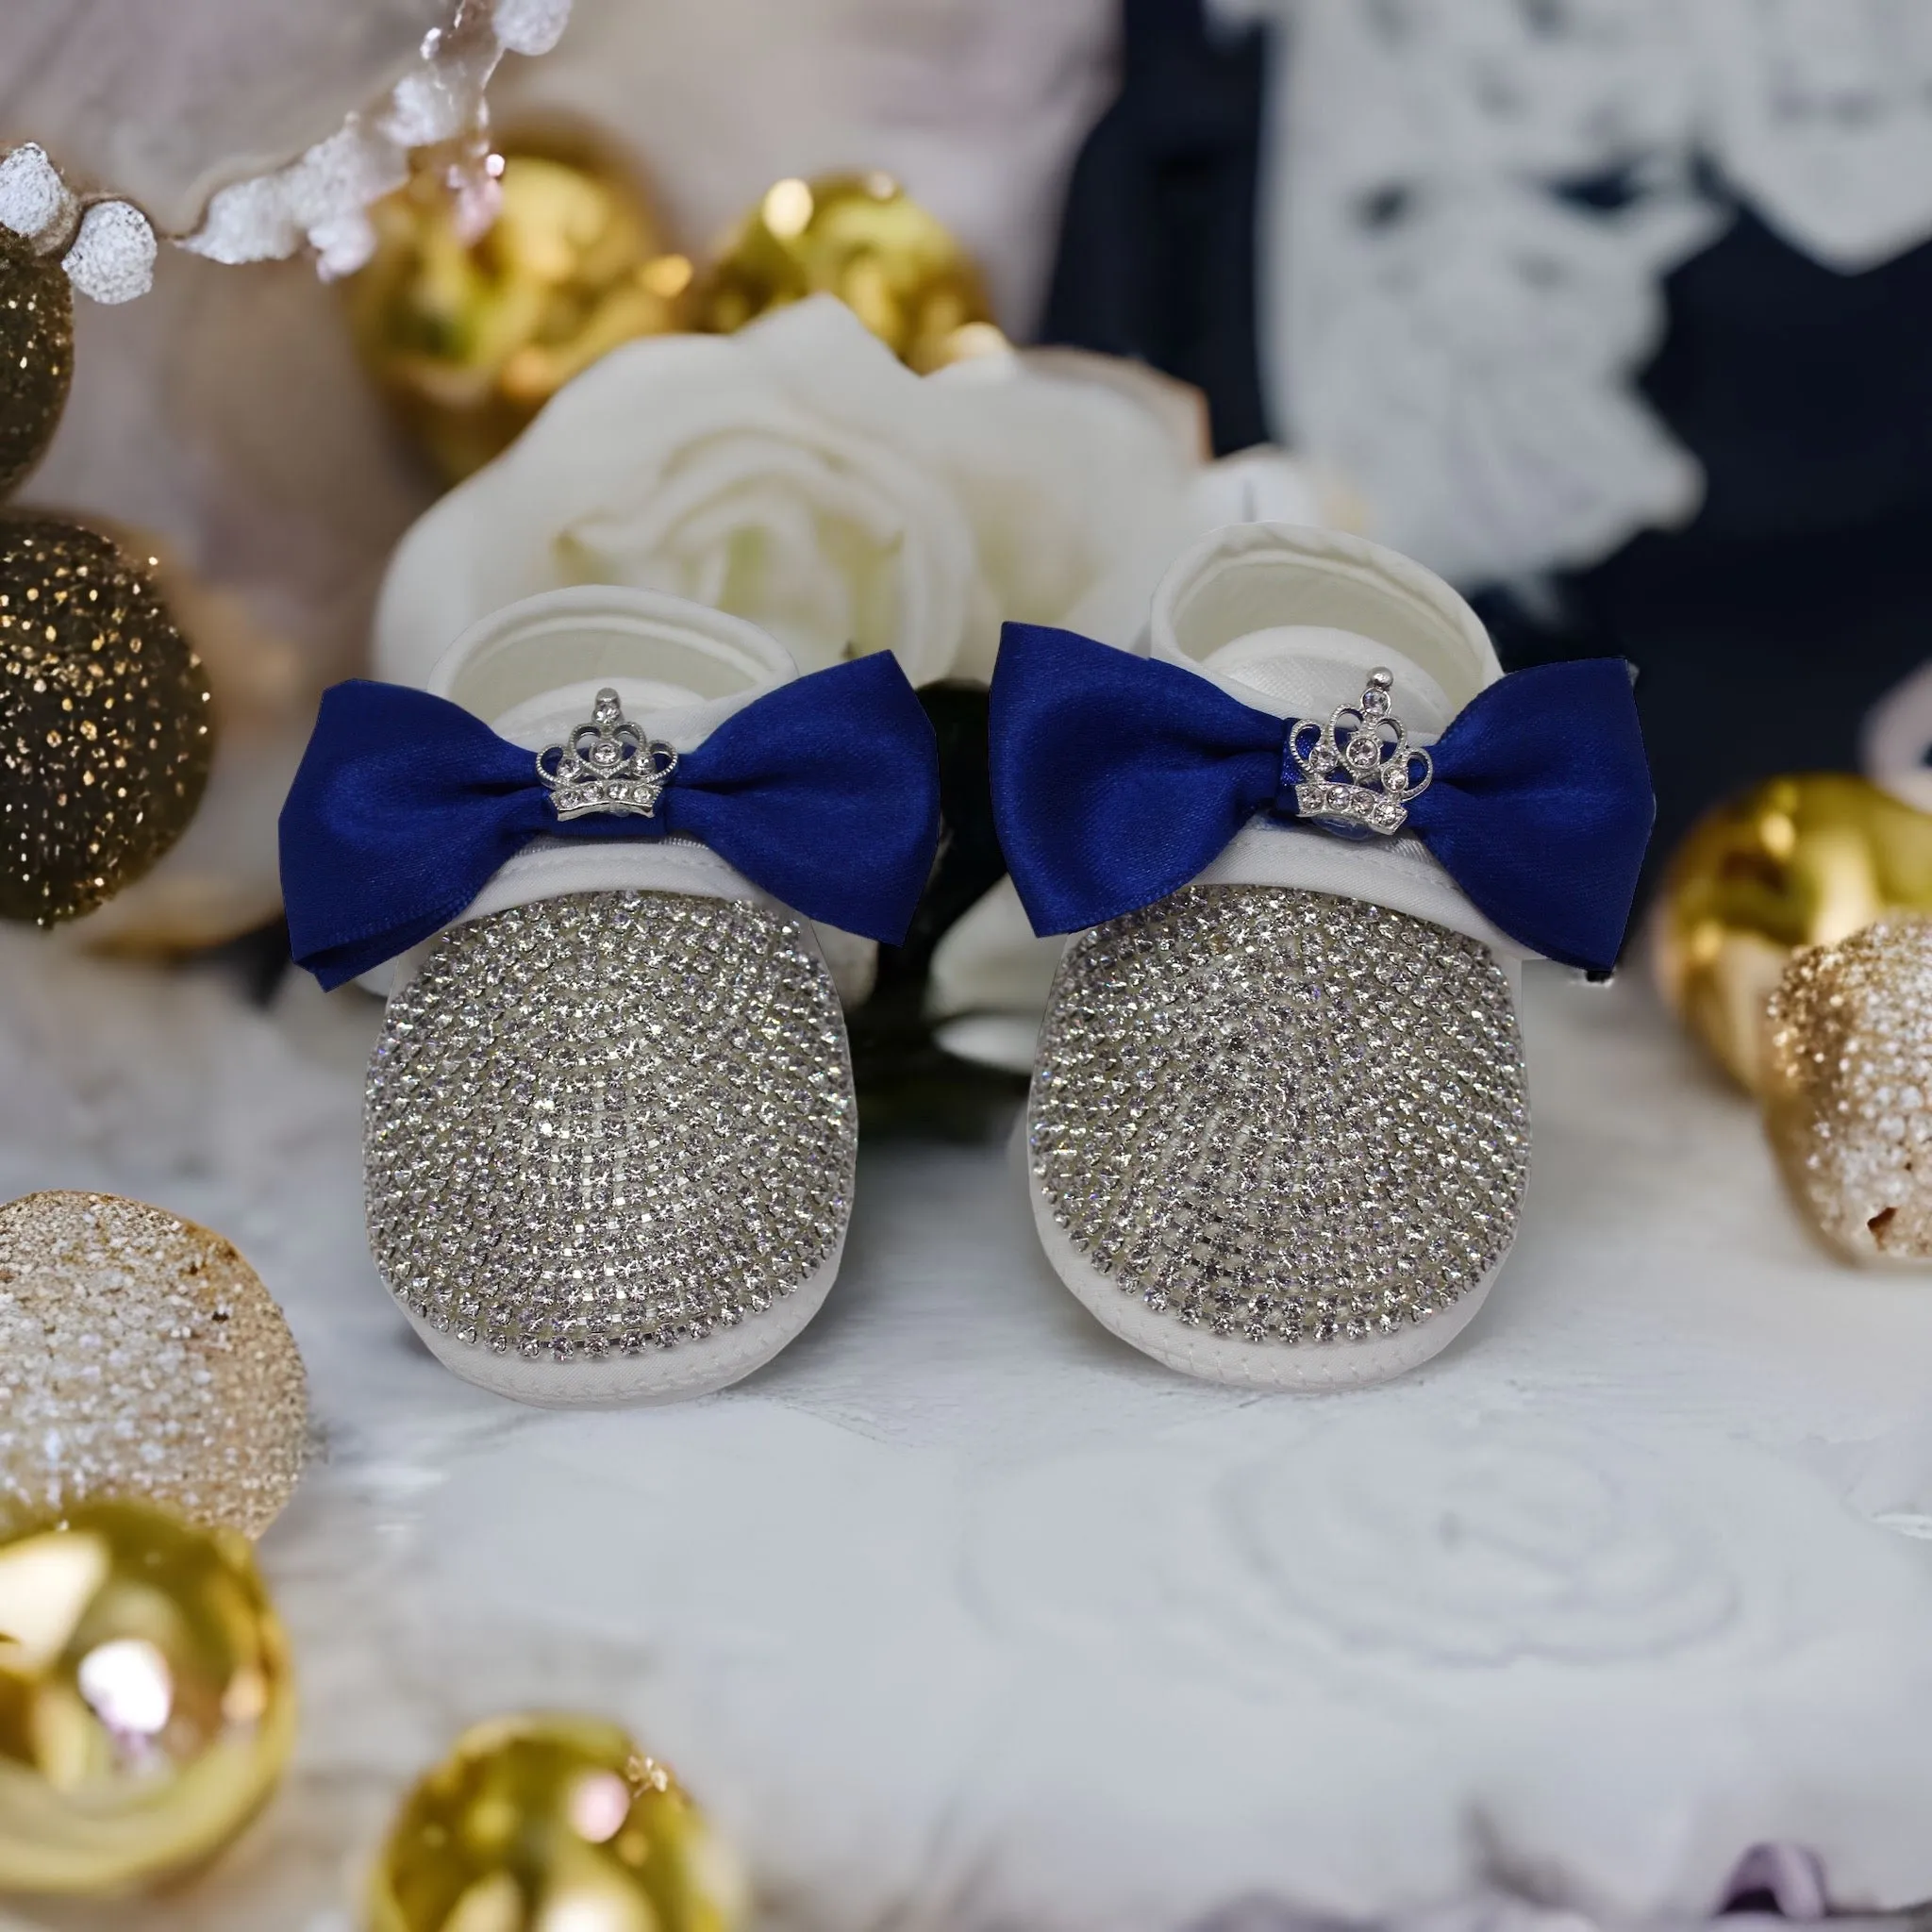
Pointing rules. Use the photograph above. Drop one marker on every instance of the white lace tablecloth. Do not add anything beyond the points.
(962, 1616)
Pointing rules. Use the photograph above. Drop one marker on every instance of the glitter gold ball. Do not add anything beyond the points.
(1282, 1117)
(141, 1356)
(861, 238)
(147, 1708)
(222, 876)
(534, 1823)
(1848, 1088)
(470, 336)
(36, 355)
(1801, 860)
(104, 733)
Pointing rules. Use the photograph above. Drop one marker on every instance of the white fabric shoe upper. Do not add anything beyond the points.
(1219, 611)
(532, 670)
(1356, 605)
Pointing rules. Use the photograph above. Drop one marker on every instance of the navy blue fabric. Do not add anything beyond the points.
(1801, 592)
(1117, 778)
(824, 793)
(1157, 255)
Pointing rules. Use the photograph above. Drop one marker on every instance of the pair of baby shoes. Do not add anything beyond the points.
(621, 855)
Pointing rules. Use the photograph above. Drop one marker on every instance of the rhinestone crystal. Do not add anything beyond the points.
(1848, 1066)
(105, 738)
(141, 1356)
(609, 1123)
(1280, 1117)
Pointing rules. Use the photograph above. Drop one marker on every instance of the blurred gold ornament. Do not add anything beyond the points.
(862, 238)
(541, 1822)
(1847, 1083)
(141, 1357)
(36, 354)
(471, 335)
(145, 1704)
(1794, 861)
(104, 736)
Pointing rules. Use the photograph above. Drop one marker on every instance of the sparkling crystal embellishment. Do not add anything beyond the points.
(607, 765)
(1377, 778)
(607, 1123)
(1848, 1078)
(1282, 1117)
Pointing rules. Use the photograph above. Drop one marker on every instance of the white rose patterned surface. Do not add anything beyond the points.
(962, 1615)
(1516, 1539)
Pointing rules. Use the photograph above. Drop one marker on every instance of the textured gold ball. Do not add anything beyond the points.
(1795, 862)
(542, 1822)
(36, 355)
(222, 876)
(104, 730)
(861, 238)
(147, 1708)
(470, 337)
(1848, 1088)
(141, 1357)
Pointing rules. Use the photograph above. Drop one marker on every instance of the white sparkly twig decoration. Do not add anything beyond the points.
(107, 246)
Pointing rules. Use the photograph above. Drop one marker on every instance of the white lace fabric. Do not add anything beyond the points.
(1467, 209)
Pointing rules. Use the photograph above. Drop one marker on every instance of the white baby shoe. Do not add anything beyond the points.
(610, 1127)
(1278, 1125)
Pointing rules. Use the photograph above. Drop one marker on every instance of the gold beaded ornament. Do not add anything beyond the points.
(104, 728)
(141, 1357)
(863, 239)
(36, 355)
(1794, 861)
(1848, 1088)
(222, 877)
(146, 1705)
(534, 1822)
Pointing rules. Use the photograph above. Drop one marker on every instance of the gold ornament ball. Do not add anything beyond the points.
(470, 336)
(222, 876)
(141, 1357)
(1794, 861)
(862, 238)
(540, 1822)
(1848, 1088)
(104, 733)
(36, 355)
(146, 1709)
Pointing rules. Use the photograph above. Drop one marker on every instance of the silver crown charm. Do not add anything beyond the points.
(1362, 782)
(607, 765)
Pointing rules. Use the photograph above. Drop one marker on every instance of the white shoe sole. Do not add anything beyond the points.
(624, 1381)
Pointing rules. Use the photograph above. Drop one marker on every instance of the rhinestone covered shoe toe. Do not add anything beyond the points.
(1278, 1138)
(608, 1144)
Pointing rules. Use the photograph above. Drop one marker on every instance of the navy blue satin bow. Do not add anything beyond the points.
(1117, 778)
(824, 792)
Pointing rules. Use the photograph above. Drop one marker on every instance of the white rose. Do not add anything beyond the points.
(797, 475)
